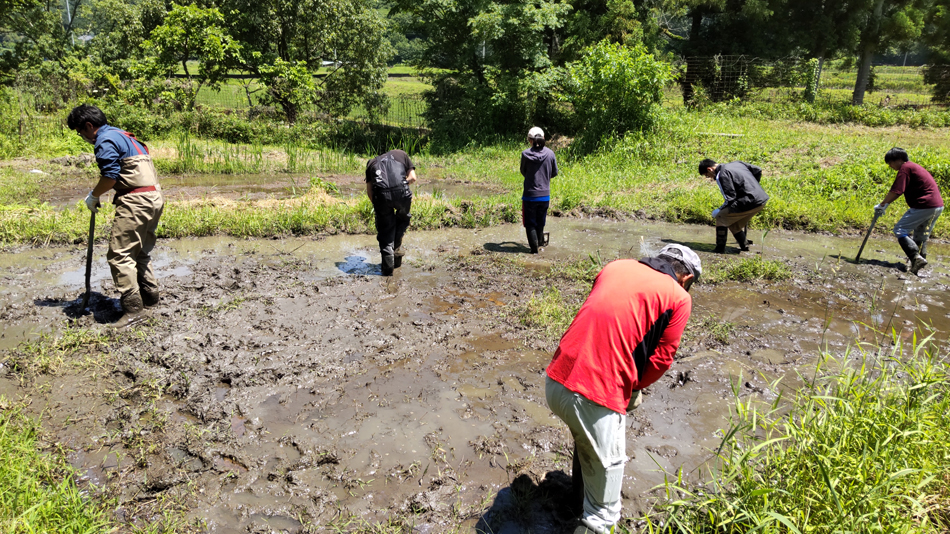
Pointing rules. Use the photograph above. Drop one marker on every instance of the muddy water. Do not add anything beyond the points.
(283, 384)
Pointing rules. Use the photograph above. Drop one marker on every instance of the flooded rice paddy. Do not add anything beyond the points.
(285, 386)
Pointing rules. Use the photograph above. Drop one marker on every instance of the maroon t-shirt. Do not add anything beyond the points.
(918, 187)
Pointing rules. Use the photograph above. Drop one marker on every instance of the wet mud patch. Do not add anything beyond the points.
(273, 389)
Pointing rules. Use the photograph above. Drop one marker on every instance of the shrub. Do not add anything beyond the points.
(616, 89)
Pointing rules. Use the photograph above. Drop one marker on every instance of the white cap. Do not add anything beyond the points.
(536, 133)
(685, 255)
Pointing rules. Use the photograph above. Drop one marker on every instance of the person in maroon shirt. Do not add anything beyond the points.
(923, 201)
(622, 340)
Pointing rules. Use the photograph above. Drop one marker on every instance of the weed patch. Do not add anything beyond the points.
(861, 450)
(72, 347)
(746, 269)
(38, 493)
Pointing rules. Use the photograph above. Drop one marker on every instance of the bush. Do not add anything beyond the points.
(616, 89)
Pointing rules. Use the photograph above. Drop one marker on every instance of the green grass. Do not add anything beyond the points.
(745, 269)
(866, 449)
(547, 312)
(714, 326)
(37, 492)
(72, 347)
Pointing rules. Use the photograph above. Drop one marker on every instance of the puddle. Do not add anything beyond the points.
(298, 387)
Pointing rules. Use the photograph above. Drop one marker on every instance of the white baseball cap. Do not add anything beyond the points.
(685, 255)
(536, 133)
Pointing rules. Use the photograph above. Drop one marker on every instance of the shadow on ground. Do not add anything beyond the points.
(530, 505)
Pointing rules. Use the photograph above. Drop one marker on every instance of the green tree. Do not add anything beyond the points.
(937, 37)
(885, 23)
(288, 85)
(118, 29)
(615, 89)
(342, 41)
(39, 31)
(494, 64)
(191, 33)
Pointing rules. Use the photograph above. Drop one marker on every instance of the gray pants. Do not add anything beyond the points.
(601, 446)
(919, 222)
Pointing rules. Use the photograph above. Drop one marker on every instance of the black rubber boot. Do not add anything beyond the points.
(722, 233)
(150, 296)
(917, 262)
(743, 242)
(921, 247)
(532, 239)
(132, 302)
(388, 264)
(397, 257)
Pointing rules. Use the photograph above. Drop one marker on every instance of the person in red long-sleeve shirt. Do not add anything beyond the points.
(924, 206)
(622, 340)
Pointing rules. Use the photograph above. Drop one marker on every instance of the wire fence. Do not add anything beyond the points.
(724, 77)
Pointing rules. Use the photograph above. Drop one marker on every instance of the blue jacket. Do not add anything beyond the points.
(123, 158)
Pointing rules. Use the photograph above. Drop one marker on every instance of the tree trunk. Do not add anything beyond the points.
(869, 43)
(697, 21)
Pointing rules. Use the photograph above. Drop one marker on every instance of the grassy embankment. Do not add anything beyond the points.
(820, 178)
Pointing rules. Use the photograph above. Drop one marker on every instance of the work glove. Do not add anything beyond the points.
(92, 202)
(880, 209)
(715, 213)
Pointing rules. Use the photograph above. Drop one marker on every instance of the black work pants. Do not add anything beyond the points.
(534, 215)
(392, 221)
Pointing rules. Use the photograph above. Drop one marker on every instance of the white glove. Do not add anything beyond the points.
(880, 209)
(92, 202)
(715, 213)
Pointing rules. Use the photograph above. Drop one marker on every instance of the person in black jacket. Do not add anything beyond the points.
(387, 185)
(743, 197)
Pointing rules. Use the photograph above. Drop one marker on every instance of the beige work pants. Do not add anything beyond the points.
(133, 237)
(737, 221)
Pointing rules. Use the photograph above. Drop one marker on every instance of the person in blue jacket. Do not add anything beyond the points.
(126, 167)
(538, 166)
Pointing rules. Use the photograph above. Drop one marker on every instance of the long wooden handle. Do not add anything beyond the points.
(92, 237)
(866, 236)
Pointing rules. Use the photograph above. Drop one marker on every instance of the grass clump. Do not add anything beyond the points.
(714, 326)
(746, 269)
(50, 354)
(866, 449)
(37, 493)
(547, 312)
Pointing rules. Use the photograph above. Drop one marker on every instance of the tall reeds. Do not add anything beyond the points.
(190, 155)
(863, 448)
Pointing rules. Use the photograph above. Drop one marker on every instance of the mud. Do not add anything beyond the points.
(284, 386)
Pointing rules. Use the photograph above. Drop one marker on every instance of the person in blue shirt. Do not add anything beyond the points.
(125, 166)
(538, 166)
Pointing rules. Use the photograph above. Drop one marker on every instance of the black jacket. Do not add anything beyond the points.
(739, 183)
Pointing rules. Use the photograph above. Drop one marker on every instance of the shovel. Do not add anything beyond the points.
(92, 236)
(865, 242)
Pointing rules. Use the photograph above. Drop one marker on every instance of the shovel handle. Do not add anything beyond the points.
(92, 237)
(866, 236)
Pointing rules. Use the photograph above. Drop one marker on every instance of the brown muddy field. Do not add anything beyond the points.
(284, 386)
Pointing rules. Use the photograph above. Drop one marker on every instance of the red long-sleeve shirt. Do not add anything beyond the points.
(624, 336)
